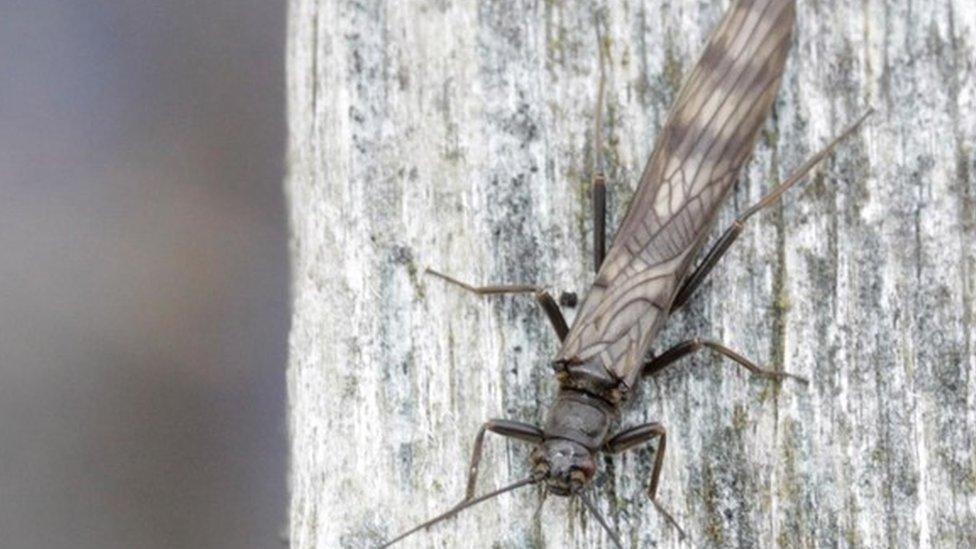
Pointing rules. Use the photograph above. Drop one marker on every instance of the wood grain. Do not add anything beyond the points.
(455, 135)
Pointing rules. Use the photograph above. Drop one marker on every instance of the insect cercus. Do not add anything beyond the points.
(647, 274)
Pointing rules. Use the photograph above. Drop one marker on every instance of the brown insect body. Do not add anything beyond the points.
(710, 132)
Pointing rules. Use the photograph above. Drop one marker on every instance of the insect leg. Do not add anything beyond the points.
(464, 504)
(639, 435)
(599, 177)
(486, 290)
(732, 233)
(542, 297)
(690, 346)
(505, 428)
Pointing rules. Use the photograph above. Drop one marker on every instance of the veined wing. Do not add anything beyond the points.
(709, 134)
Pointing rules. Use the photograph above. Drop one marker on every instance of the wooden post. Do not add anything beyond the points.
(457, 135)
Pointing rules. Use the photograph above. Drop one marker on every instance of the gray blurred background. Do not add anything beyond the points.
(143, 274)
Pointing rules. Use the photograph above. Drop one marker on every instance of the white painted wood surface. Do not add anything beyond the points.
(457, 135)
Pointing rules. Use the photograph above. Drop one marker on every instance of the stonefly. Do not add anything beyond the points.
(647, 273)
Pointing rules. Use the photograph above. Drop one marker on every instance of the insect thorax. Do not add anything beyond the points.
(580, 417)
(575, 429)
(591, 378)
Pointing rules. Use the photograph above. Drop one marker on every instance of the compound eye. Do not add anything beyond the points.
(587, 466)
(577, 476)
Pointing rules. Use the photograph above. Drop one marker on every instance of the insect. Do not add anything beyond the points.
(647, 273)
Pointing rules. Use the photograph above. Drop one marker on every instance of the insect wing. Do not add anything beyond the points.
(709, 134)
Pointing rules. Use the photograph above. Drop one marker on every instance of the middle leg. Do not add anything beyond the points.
(542, 297)
(690, 346)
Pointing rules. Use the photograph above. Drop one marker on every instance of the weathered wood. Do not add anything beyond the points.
(456, 135)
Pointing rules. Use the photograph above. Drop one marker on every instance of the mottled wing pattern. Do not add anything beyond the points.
(710, 133)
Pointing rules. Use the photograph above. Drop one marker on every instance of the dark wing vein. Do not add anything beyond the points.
(710, 132)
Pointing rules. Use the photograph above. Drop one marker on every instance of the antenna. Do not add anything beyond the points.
(542, 500)
(601, 520)
(458, 508)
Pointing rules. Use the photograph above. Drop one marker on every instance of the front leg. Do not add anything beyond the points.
(640, 434)
(504, 427)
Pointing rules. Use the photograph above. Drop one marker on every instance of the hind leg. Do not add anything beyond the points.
(732, 233)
